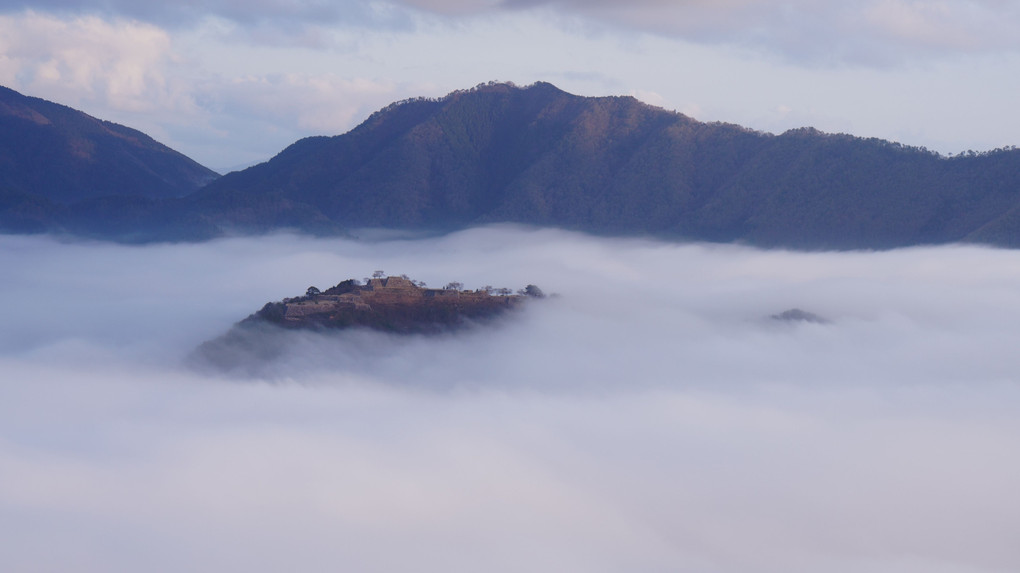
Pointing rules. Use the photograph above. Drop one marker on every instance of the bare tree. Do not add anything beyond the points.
(454, 286)
(378, 274)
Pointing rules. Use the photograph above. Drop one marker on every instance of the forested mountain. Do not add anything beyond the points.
(608, 165)
(52, 156)
(538, 155)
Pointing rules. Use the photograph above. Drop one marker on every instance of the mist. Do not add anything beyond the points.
(651, 417)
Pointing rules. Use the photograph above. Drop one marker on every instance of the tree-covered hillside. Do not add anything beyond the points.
(538, 155)
(59, 154)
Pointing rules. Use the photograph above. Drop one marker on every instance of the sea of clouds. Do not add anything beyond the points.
(652, 417)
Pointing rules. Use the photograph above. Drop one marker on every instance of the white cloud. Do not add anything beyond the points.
(806, 31)
(286, 13)
(87, 61)
(963, 25)
(650, 419)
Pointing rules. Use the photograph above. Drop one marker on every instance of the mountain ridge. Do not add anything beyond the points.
(536, 155)
(540, 156)
(64, 155)
(56, 162)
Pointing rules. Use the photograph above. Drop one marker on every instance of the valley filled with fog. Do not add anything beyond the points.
(651, 417)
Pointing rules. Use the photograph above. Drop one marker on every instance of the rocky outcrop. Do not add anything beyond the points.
(394, 304)
(798, 315)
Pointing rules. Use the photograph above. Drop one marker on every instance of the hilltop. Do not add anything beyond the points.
(394, 304)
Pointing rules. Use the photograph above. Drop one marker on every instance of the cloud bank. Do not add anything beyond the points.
(807, 31)
(281, 12)
(123, 63)
(651, 418)
(815, 31)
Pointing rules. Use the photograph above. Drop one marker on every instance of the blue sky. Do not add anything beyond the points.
(230, 82)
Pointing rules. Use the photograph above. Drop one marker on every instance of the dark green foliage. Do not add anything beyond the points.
(533, 291)
(540, 156)
(349, 285)
(272, 312)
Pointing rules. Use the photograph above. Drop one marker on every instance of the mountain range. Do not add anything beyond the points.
(534, 155)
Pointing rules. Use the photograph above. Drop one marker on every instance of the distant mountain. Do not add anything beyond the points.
(53, 157)
(538, 155)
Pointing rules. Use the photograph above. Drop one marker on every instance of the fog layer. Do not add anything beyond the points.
(650, 418)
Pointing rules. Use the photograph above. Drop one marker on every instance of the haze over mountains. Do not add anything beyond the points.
(533, 155)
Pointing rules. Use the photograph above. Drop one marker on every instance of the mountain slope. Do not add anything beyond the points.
(501, 153)
(54, 153)
(538, 155)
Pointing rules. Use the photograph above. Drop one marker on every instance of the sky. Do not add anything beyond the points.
(652, 417)
(230, 83)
